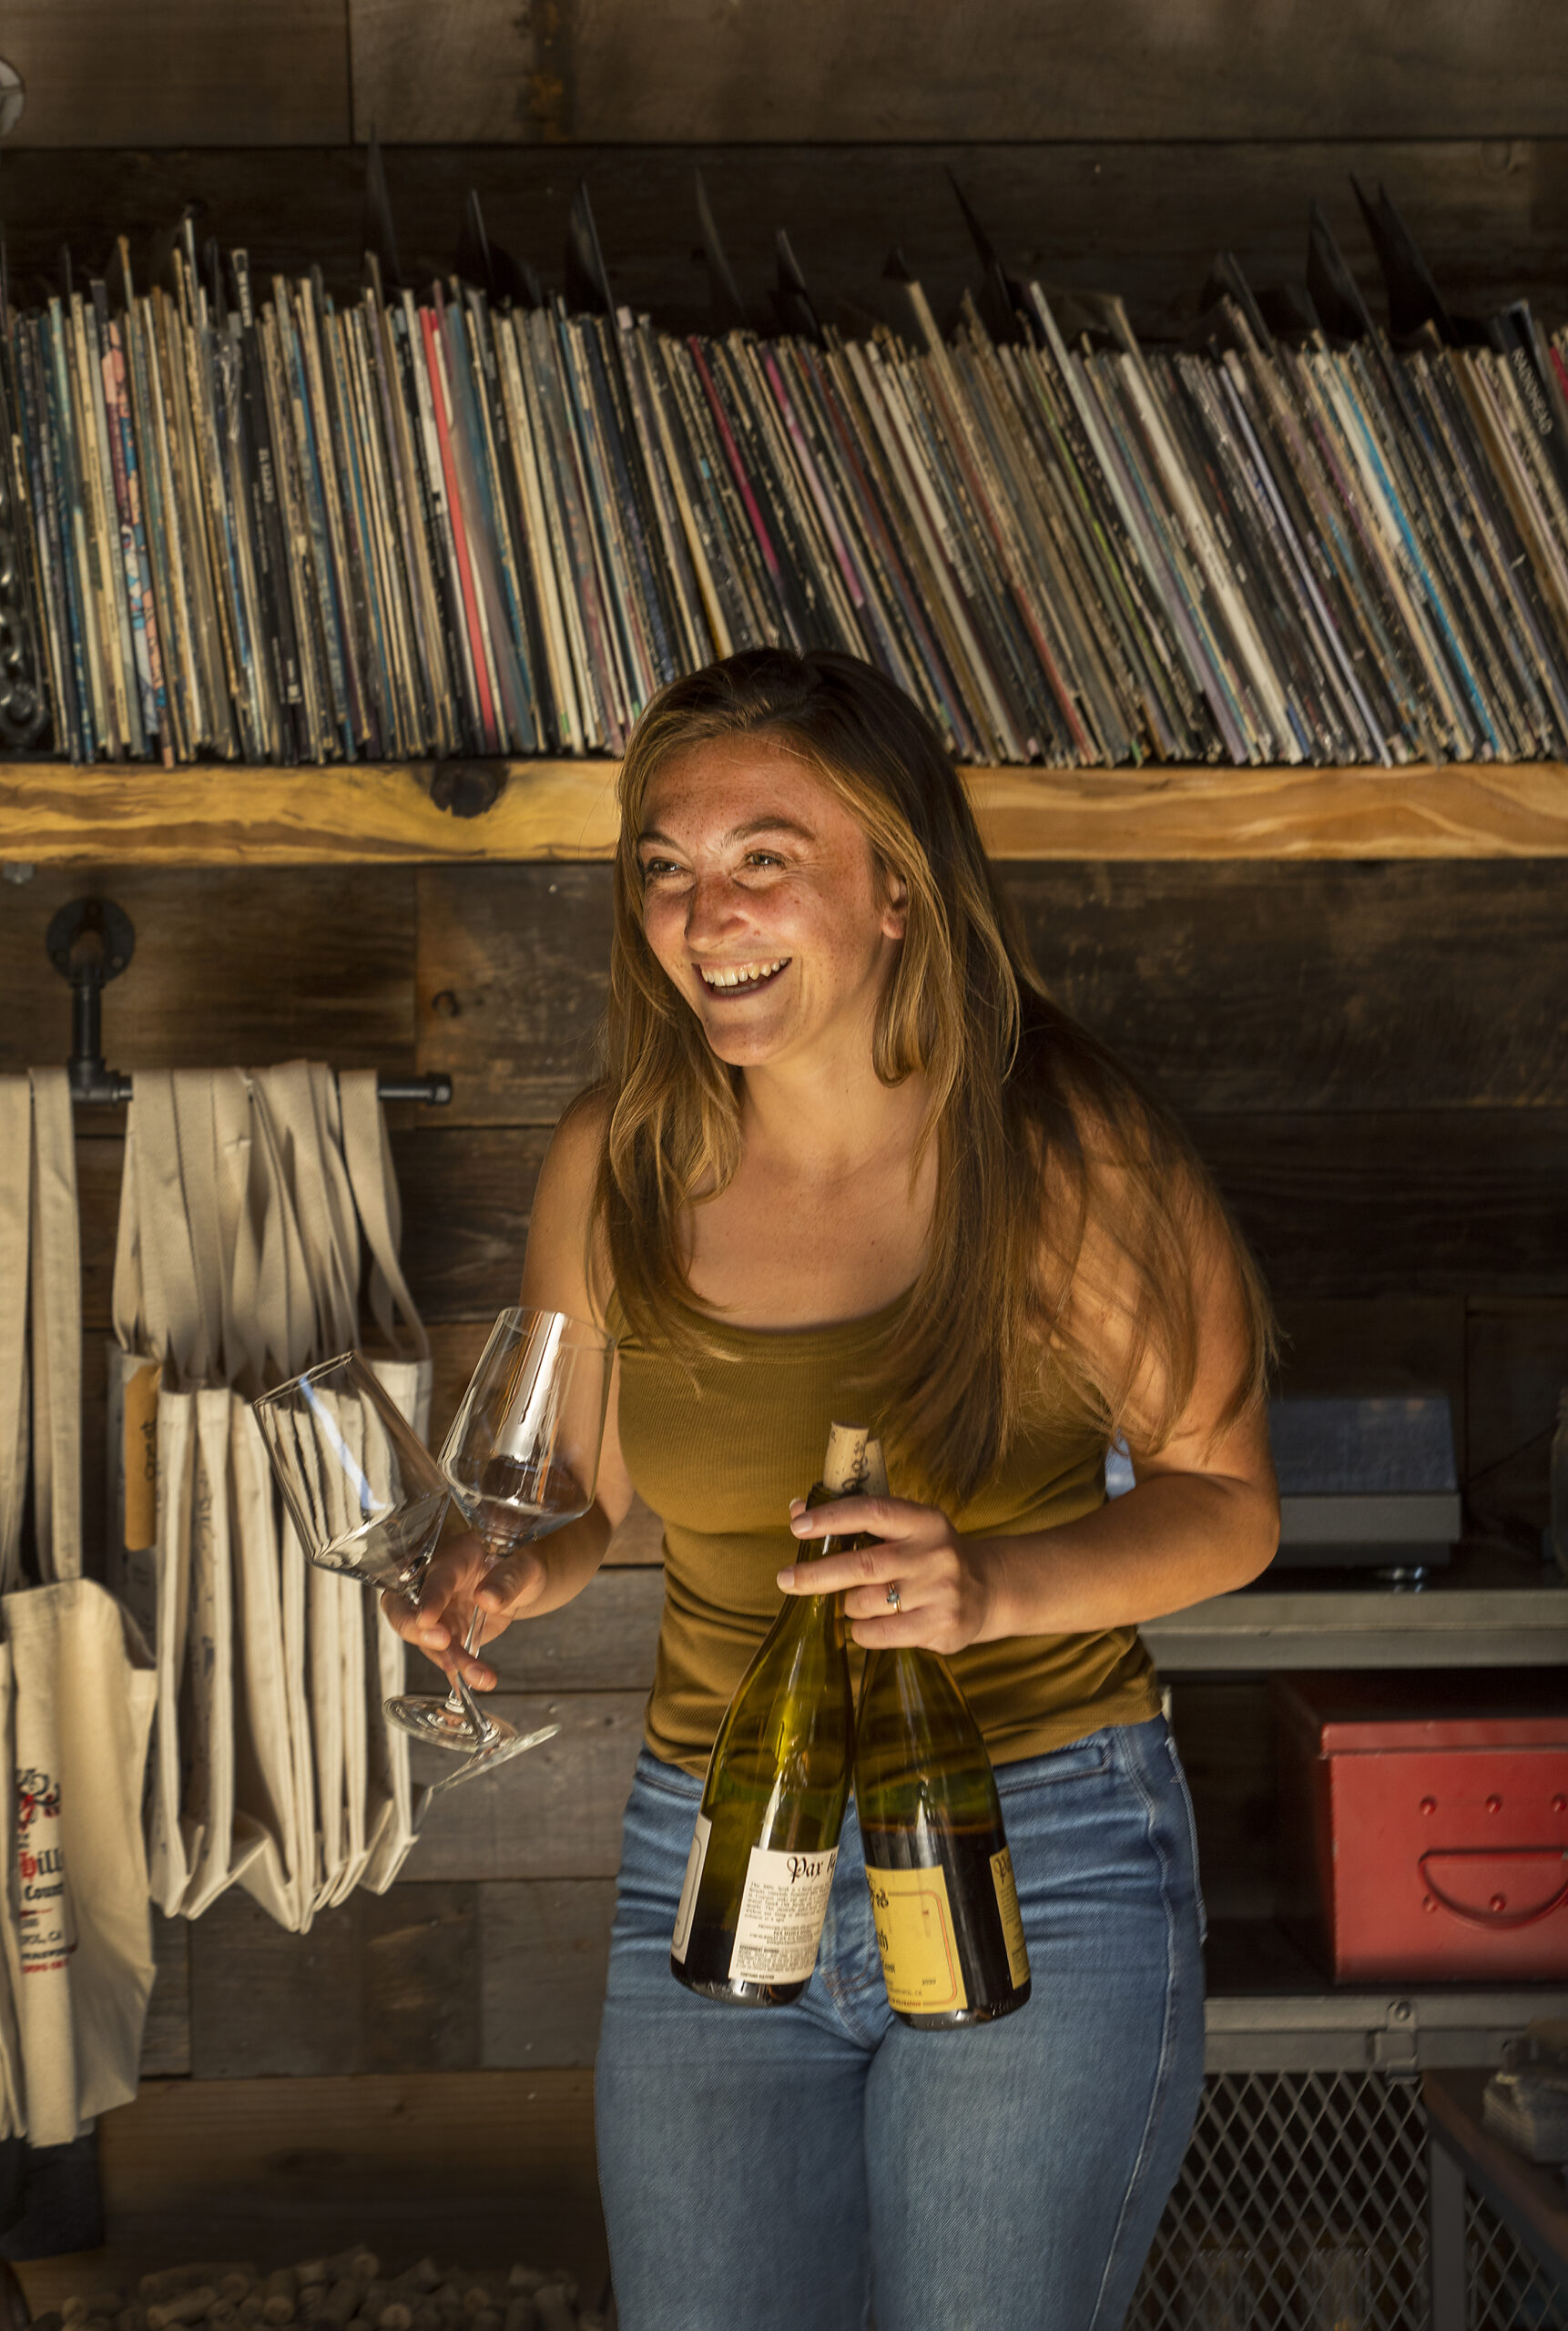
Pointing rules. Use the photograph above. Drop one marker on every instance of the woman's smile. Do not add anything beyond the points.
(729, 980)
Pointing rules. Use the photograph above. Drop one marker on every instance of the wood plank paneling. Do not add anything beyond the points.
(553, 1813)
(231, 967)
(501, 70)
(512, 977)
(1382, 1344)
(547, 1946)
(466, 1200)
(1143, 219)
(1323, 987)
(166, 2035)
(1518, 1366)
(484, 2167)
(692, 70)
(603, 1640)
(1399, 1202)
(176, 72)
(1231, 987)
(390, 1982)
(428, 1978)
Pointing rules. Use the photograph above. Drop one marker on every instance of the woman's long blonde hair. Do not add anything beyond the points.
(1039, 1131)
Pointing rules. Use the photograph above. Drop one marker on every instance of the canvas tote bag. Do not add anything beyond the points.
(199, 1558)
(76, 1692)
(238, 1259)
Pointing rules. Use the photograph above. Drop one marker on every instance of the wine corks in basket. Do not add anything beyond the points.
(348, 2292)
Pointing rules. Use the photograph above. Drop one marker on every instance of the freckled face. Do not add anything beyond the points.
(761, 901)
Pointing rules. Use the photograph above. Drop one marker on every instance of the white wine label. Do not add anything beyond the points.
(689, 1885)
(914, 1934)
(1011, 1918)
(781, 1914)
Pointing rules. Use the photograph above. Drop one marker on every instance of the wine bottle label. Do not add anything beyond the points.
(781, 1914)
(914, 1934)
(1011, 1918)
(689, 1885)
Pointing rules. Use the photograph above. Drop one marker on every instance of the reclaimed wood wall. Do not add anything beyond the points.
(1373, 1057)
(305, 72)
(1117, 147)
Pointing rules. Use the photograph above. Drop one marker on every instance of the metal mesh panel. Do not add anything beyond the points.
(1302, 2201)
(1301, 2206)
(1508, 2291)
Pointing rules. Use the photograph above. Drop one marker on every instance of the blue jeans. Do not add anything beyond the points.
(805, 2167)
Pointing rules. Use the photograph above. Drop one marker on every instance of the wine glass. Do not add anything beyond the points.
(522, 1458)
(367, 1499)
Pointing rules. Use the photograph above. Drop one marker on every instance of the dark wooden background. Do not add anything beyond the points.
(1116, 146)
(1373, 1057)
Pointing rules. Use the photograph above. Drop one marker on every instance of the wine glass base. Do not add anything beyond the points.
(440, 1725)
(484, 1760)
(498, 1752)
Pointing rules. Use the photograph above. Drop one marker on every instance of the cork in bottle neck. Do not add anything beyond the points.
(844, 1467)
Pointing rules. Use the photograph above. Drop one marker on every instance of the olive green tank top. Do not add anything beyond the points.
(718, 1447)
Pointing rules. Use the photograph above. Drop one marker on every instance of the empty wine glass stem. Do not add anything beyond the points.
(460, 1699)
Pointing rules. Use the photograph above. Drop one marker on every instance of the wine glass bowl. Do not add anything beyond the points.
(365, 1496)
(522, 1453)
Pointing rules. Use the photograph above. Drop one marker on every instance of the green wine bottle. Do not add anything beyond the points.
(937, 1861)
(766, 1839)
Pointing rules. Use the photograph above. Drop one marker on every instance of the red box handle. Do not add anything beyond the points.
(1489, 1857)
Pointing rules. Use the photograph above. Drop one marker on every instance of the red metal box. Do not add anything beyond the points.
(1423, 1823)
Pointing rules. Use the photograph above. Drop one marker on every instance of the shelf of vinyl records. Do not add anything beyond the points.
(390, 813)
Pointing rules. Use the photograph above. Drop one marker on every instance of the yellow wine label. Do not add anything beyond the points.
(141, 1457)
(781, 1914)
(690, 1884)
(914, 1934)
(1012, 1919)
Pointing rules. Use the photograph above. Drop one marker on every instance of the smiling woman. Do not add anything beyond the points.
(847, 1158)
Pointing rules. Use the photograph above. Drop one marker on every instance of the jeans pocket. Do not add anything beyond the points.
(1080, 1760)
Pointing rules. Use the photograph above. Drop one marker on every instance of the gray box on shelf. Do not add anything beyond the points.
(1365, 1482)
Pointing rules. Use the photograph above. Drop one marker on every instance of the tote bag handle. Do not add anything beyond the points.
(373, 1179)
(57, 1330)
(15, 1213)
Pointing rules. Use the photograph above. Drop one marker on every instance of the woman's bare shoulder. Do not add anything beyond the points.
(555, 1272)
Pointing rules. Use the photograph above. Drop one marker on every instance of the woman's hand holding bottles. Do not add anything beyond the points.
(943, 1598)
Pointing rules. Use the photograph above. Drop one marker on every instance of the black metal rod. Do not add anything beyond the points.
(434, 1090)
(97, 1086)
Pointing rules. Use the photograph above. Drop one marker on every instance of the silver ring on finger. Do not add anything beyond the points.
(894, 1602)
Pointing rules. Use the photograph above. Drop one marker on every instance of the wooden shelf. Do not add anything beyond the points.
(382, 813)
